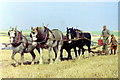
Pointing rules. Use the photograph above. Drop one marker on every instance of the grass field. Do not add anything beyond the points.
(103, 66)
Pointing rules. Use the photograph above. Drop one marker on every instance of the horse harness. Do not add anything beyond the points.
(45, 35)
(19, 41)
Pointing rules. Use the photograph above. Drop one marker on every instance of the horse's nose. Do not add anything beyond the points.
(12, 39)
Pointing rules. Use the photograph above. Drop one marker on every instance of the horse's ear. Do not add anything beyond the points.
(10, 27)
(37, 28)
(31, 28)
(47, 25)
(16, 28)
(72, 28)
(67, 28)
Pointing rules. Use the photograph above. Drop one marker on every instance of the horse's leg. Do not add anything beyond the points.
(40, 53)
(61, 55)
(58, 53)
(83, 52)
(69, 53)
(114, 51)
(38, 49)
(50, 55)
(55, 49)
(89, 50)
(41, 57)
(75, 52)
(33, 56)
(22, 57)
(12, 57)
(79, 51)
(111, 51)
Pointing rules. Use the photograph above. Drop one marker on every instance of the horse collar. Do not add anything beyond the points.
(45, 36)
(15, 44)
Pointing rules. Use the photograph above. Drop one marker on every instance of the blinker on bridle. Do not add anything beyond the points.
(44, 35)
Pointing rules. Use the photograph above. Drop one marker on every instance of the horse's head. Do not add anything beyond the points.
(38, 34)
(15, 35)
(34, 33)
(70, 33)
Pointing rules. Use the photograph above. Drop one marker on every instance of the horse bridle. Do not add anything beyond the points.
(45, 35)
(19, 39)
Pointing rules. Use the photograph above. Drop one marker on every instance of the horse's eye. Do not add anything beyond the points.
(33, 32)
(15, 34)
(30, 35)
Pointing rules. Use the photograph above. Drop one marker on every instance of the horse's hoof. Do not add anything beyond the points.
(14, 65)
(57, 61)
(41, 63)
(78, 58)
(22, 64)
(87, 57)
(32, 63)
(50, 63)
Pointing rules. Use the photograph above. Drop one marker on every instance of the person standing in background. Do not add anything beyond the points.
(105, 34)
(113, 43)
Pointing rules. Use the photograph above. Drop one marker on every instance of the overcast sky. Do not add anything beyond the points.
(87, 16)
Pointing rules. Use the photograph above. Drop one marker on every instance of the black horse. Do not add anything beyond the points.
(67, 46)
(76, 38)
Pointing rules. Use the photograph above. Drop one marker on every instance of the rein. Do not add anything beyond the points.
(46, 37)
(79, 38)
(19, 37)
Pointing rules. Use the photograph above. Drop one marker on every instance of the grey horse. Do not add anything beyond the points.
(21, 45)
(49, 39)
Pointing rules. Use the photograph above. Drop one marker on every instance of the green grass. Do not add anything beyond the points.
(93, 67)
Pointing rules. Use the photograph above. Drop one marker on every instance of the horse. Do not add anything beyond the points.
(67, 46)
(81, 39)
(20, 44)
(48, 39)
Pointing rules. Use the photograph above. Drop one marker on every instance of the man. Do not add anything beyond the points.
(105, 35)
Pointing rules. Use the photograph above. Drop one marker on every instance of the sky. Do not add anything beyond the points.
(86, 16)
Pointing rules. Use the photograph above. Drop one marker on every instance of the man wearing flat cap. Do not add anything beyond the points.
(105, 34)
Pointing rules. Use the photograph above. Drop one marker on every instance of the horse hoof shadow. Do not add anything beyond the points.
(65, 59)
(25, 63)
(14, 65)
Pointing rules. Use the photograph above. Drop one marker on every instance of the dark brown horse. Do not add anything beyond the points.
(76, 38)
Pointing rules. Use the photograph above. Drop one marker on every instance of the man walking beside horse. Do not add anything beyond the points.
(105, 35)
